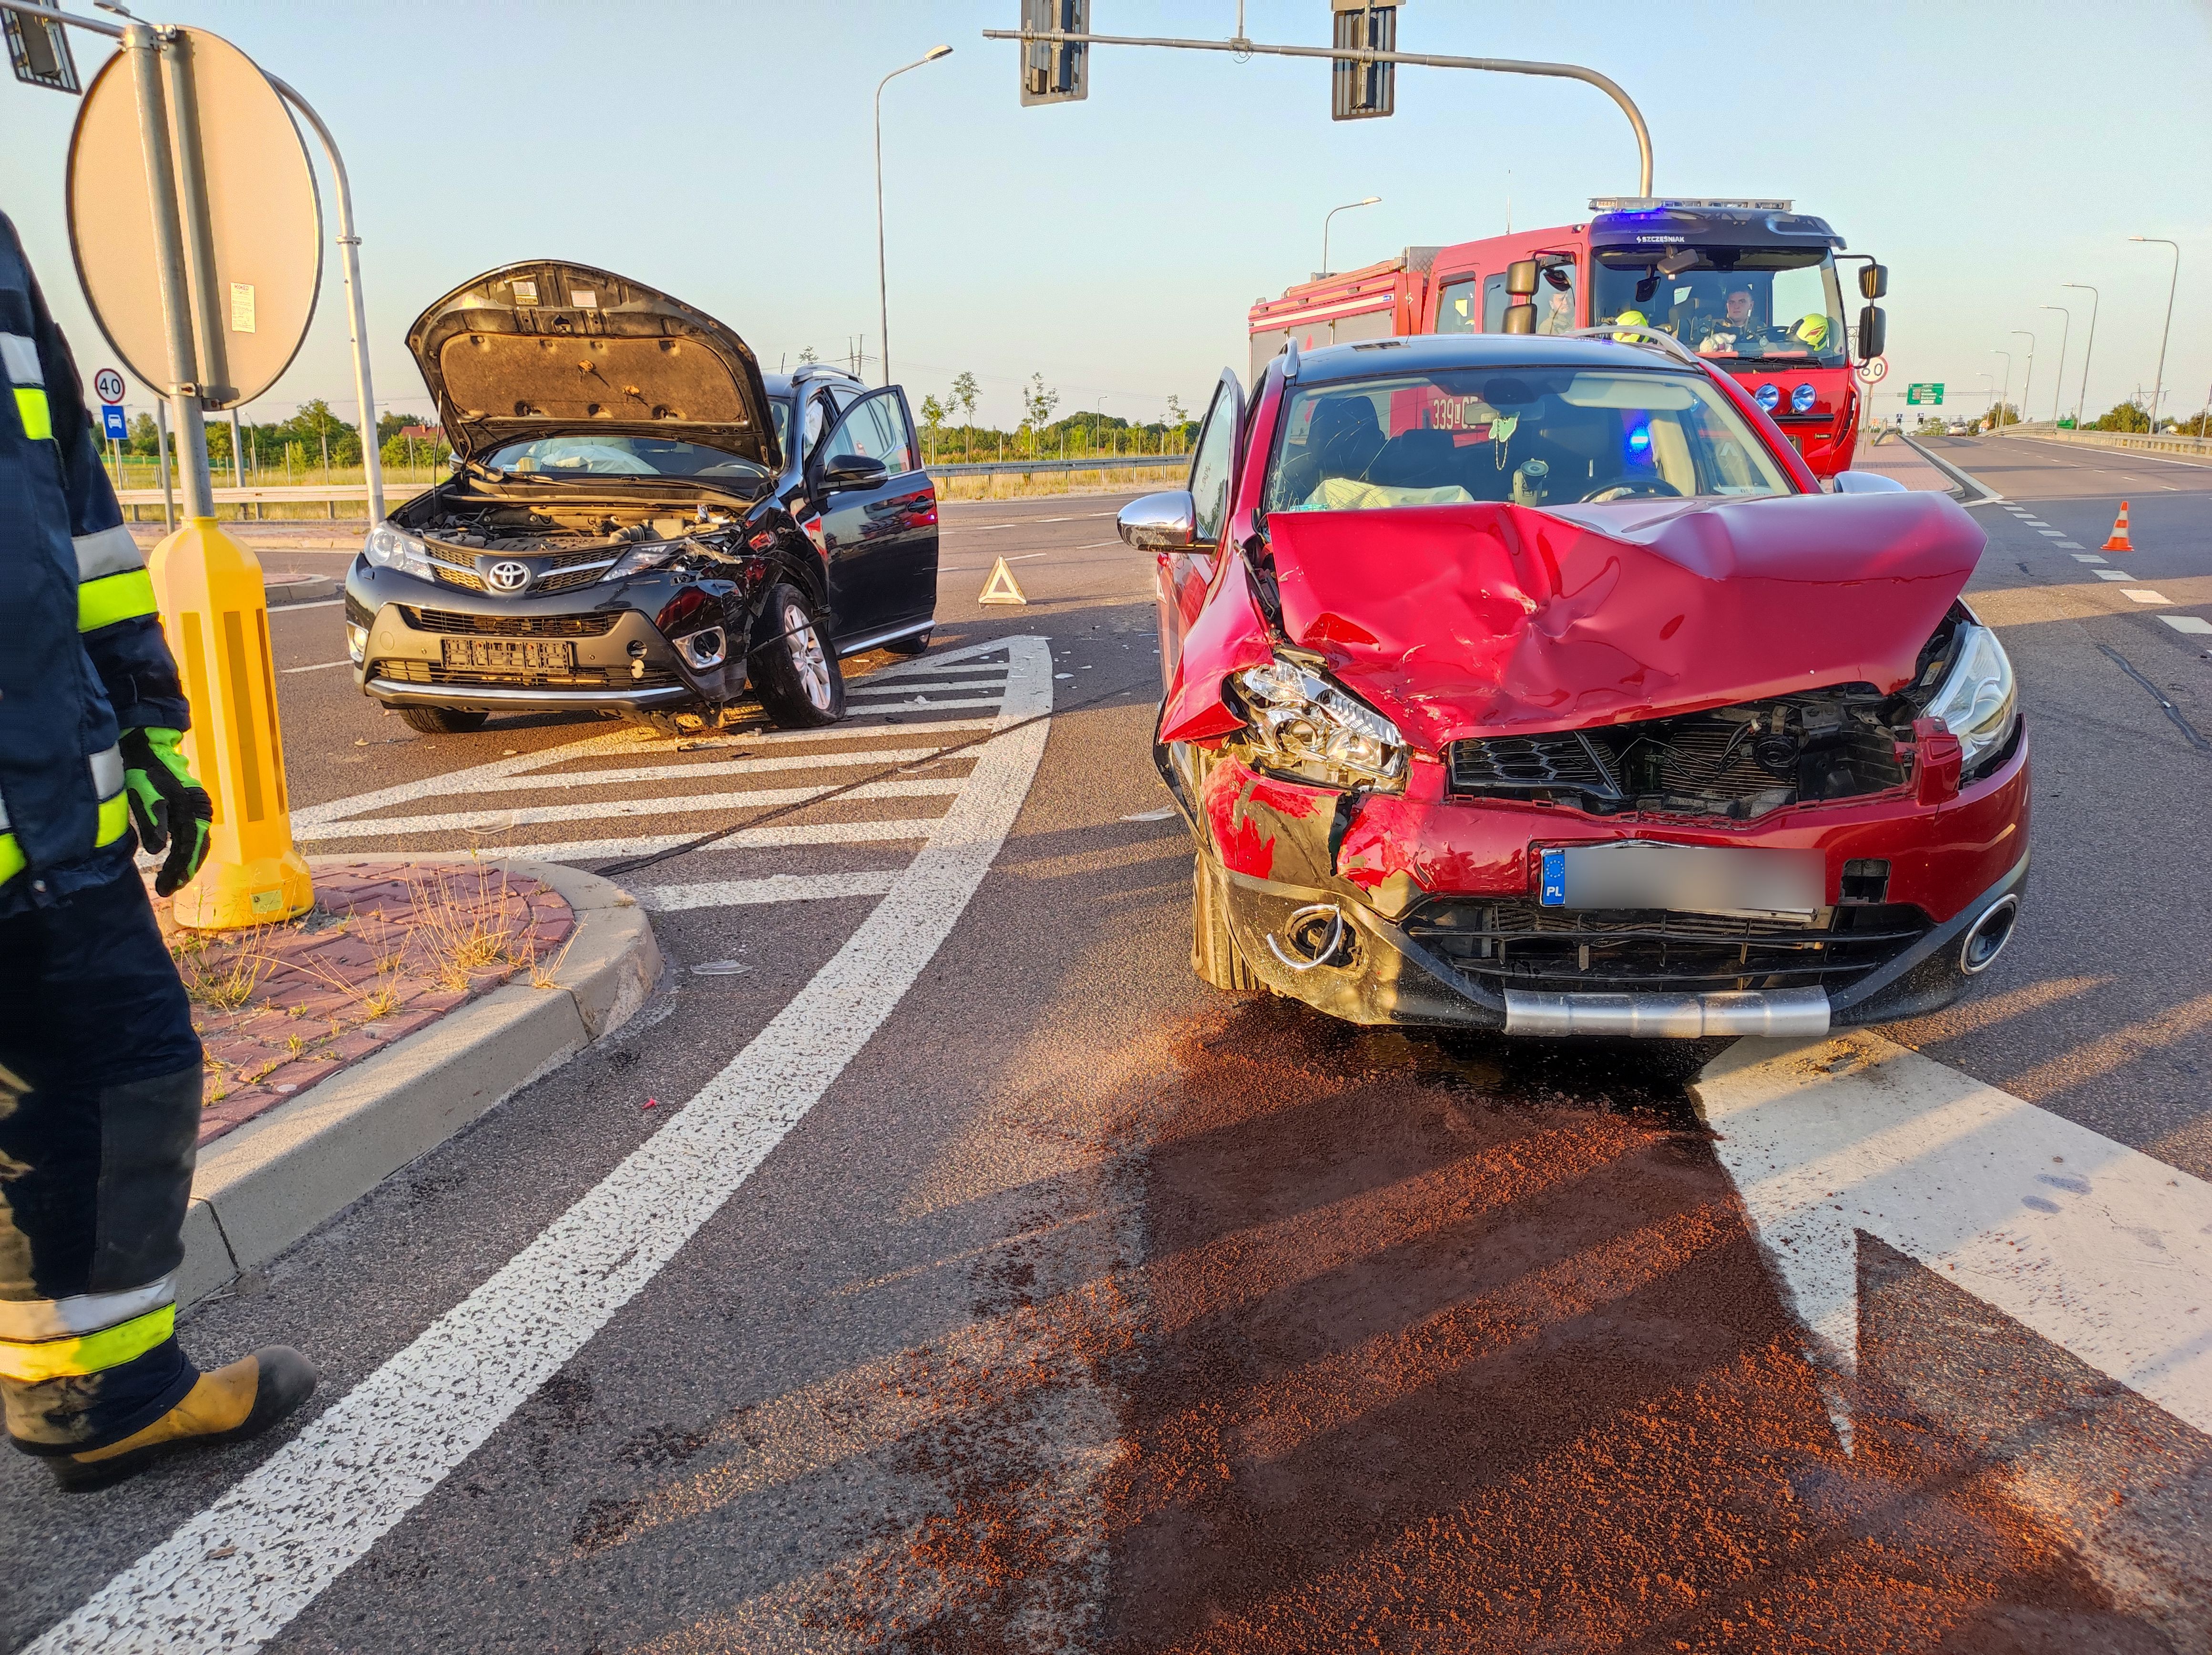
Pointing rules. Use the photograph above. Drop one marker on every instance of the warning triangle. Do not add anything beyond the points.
(1002, 587)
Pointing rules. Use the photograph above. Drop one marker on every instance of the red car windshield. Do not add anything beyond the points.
(1534, 436)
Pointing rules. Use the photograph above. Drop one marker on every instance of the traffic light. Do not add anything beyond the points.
(1051, 72)
(1358, 92)
(39, 52)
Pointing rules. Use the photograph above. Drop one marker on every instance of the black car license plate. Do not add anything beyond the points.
(510, 654)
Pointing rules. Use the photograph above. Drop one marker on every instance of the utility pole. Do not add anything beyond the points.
(2088, 350)
(2158, 385)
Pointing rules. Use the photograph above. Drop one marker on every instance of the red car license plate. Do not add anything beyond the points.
(510, 654)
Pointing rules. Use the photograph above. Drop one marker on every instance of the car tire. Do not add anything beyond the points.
(443, 720)
(1214, 959)
(794, 671)
(913, 646)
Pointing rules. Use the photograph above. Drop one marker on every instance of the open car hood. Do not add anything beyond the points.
(544, 348)
(1464, 619)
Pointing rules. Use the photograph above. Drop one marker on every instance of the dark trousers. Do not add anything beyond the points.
(99, 1112)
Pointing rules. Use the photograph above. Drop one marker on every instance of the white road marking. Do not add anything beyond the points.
(320, 666)
(776, 888)
(2097, 1248)
(1160, 814)
(2052, 534)
(931, 689)
(2196, 625)
(2147, 596)
(782, 837)
(540, 815)
(2068, 545)
(2111, 574)
(934, 666)
(318, 603)
(234, 1576)
(685, 772)
(2087, 557)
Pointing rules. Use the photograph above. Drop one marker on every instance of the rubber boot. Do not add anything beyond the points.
(228, 1405)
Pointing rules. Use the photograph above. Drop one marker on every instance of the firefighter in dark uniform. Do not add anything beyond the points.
(100, 1069)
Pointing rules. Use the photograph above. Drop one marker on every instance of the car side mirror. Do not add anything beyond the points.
(853, 471)
(1867, 482)
(1160, 522)
(1521, 284)
(1873, 333)
(1873, 280)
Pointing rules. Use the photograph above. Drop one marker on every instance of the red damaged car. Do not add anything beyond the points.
(1533, 684)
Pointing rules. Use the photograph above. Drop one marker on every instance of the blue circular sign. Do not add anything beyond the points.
(1802, 398)
(1768, 398)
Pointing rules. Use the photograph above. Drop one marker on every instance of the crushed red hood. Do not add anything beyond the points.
(1459, 619)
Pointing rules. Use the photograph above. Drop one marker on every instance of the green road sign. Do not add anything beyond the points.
(1916, 395)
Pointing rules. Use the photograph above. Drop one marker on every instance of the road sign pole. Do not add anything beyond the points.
(182, 393)
(372, 462)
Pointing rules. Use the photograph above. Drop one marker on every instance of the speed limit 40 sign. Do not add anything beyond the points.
(107, 383)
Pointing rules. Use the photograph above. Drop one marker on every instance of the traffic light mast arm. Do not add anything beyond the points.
(1427, 60)
(96, 25)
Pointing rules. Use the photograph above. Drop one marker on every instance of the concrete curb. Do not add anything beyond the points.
(303, 591)
(264, 1186)
(1974, 490)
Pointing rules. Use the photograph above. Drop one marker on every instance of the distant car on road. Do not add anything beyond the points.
(640, 522)
(1533, 684)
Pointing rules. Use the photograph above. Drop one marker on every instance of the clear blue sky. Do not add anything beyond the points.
(1988, 152)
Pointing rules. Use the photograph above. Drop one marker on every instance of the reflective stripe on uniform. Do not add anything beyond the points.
(19, 356)
(32, 1361)
(114, 817)
(27, 1321)
(124, 596)
(106, 552)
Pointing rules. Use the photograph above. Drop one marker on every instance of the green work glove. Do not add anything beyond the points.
(171, 808)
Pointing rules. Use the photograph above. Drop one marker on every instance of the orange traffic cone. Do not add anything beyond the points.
(2118, 542)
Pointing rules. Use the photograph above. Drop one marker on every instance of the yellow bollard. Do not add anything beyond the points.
(215, 612)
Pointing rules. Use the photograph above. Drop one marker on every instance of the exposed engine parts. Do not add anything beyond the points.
(498, 526)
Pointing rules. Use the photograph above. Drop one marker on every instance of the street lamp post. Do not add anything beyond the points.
(1368, 202)
(2158, 385)
(2027, 380)
(2088, 350)
(883, 289)
(2059, 388)
(2004, 396)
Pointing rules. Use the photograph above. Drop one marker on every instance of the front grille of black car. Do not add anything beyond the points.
(563, 582)
(430, 672)
(512, 626)
(1736, 761)
(1520, 944)
(466, 579)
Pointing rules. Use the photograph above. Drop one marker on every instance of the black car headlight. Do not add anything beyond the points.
(1305, 726)
(389, 548)
(1978, 700)
(639, 559)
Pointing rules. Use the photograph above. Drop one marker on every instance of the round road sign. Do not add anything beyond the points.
(1874, 369)
(264, 217)
(108, 385)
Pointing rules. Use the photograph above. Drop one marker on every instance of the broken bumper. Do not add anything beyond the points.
(1374, 911)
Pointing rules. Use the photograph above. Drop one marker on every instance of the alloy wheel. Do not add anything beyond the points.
(806, 656)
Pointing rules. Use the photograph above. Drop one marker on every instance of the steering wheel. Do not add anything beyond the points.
(1636, 488)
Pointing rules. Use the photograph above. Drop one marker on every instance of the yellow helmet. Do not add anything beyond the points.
(1633, 318)
(1813, 330)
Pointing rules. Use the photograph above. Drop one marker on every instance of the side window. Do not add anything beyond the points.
(875, 427)
(1555, 298)
(1494, 297)
(1456, 305)
(1210, 468)
(819, 413)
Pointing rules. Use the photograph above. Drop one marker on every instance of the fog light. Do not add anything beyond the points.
(1986, 938)
(1315, 935)
(705, 648)
(356, 642)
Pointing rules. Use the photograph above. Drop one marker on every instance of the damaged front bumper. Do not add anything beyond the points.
(1395, 910)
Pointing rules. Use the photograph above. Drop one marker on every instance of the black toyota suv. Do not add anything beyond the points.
(640, 522)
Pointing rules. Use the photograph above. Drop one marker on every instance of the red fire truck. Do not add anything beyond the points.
(1751, 286)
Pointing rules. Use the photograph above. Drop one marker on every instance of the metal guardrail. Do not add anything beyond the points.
(398, 493)
(2142, 442)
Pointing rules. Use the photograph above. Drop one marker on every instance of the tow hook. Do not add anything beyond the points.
(1314, 936)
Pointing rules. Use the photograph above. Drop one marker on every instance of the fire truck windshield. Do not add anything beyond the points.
(1739, 306)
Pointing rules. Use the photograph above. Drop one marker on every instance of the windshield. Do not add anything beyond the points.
(1534, 436)
(1736, 305)
(612, 456)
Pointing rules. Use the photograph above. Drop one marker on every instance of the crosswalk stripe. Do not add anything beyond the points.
(783, 836)
(932, 687)
(538, 815)
(714, 768)
(775, 888)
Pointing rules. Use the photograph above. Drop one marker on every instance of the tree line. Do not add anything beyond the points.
(313, 437)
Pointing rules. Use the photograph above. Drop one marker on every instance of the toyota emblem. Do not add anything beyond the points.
(507, 576)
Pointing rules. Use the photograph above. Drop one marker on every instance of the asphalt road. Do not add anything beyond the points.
(1070, 1305)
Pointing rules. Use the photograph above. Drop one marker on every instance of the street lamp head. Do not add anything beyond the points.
(1370, 201)
(935, 52)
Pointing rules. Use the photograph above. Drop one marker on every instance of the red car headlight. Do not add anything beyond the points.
(1308, 729)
